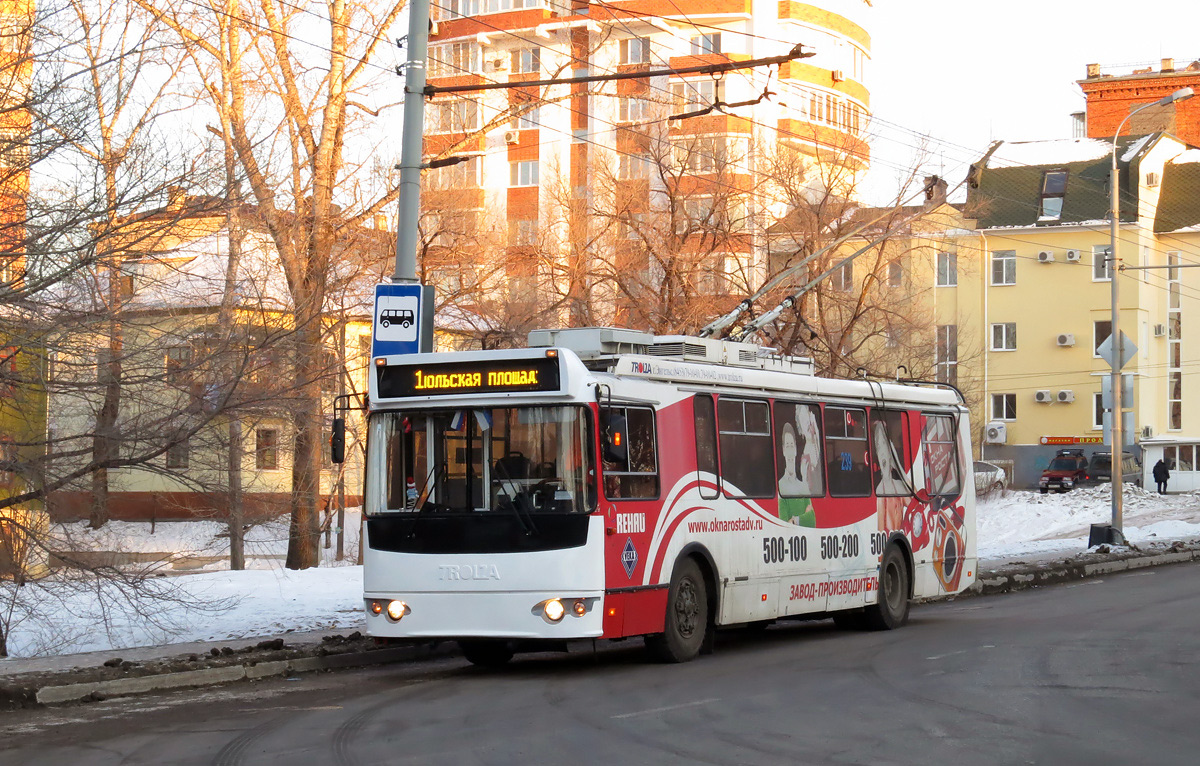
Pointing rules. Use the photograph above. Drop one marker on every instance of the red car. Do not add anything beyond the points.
(1068, 470)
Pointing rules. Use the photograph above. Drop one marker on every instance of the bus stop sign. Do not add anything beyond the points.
(403, 321)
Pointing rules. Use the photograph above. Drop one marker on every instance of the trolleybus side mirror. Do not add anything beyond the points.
(337, 441)
(615, 446)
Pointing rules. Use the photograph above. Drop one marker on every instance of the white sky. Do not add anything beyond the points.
(966, 72)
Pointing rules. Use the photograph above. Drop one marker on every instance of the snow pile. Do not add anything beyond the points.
(202, 545)
(65, 617)
(1026, 523)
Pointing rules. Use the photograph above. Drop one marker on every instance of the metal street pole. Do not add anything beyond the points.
(1116, 432)
(412, 139)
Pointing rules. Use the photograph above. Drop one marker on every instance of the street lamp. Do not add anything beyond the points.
(1117, 436)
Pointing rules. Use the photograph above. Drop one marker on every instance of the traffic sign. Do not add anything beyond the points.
(1105, 350)
(403, 319)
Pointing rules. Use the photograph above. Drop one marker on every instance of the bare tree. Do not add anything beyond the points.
(290, 110)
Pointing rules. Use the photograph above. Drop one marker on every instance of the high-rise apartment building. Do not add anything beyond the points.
(601, 199)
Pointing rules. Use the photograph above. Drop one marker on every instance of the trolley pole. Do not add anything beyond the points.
(412, 140)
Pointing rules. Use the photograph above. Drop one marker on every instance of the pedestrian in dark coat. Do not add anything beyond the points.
(1161, 474)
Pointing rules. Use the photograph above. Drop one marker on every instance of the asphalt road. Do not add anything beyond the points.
(1103, 671)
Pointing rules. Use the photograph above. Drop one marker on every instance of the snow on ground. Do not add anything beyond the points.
(1015, 524)
(192, 544)
(57, 617)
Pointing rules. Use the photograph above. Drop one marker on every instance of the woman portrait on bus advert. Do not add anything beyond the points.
(891, 485)
(799, 459)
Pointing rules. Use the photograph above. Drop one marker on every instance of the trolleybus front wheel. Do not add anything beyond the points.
(487, 654)
(686, 623)
(890, 611)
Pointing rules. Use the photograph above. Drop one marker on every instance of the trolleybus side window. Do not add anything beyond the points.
(746, 454)
(887, 447)
(846, 452)
(800, 469)
(940, 448)
(628, 447)
(706, 444)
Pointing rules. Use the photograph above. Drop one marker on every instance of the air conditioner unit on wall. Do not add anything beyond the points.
(1160, 330)
(1066, 339)
(1044, 396)
(837, 75)
(1152, 179)
(1045, 256)
(995, 433)
(1066, 395)
(1074, 256)
(498, 65)
(1147, 432)
(512, 136)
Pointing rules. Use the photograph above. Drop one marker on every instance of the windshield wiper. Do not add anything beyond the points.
(519, 497)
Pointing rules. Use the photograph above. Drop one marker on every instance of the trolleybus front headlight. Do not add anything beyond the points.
(554, 610)
(396, 610)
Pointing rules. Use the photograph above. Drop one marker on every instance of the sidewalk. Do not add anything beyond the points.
(97, 675)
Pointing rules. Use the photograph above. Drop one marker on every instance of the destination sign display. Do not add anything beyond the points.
(491, 376)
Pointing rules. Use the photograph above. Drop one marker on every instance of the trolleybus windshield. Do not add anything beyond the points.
(523, 460)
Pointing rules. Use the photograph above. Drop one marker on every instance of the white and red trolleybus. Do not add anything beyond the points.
(607, 483)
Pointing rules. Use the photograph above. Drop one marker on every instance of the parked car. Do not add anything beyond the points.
(1100, 468)
(1068, 470)
(989, 478)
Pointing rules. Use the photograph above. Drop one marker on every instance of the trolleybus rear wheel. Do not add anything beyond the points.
(890, 611)
(686, 623)
(487, 654)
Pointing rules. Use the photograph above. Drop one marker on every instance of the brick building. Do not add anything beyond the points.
(1111, 97)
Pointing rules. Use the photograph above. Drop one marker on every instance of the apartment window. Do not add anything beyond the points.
(632, 109)
(1004, 336)
(177, 455)
(697, 213)
(632, 226)
(1097, 410)
(691, 94)
(177, 364)
(947, 354)
(1004, 267)
(947, 269)
(453, 59)
(526, 60)
(453, 116)
(635, 50)
(266, 449)
(464, 175)
(1004, 406)
(843, 278)
(700, 155)
(707, 43)
(523, 173)
(631, 166)
(527, 117)
(1101, 263)
(714, 276)
(522, 232)
(1054, 187)
(895, 274)
(1101, 329)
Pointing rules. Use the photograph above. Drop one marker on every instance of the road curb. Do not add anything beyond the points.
(50, 695)
(1023, 577)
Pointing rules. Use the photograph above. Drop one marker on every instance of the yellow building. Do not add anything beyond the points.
(197, 378)
(1043, 305)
